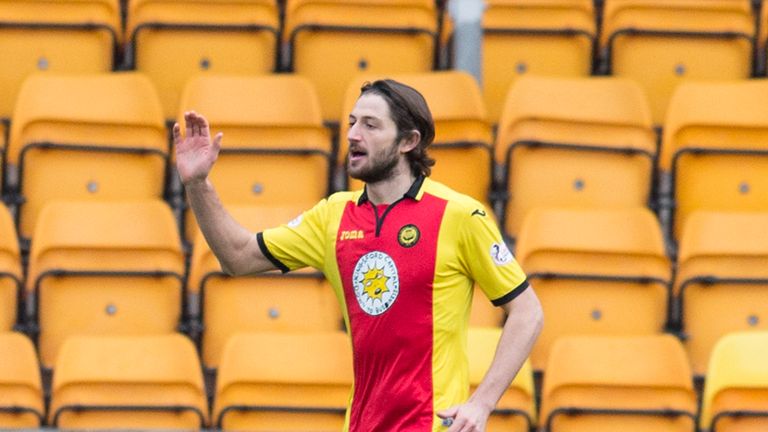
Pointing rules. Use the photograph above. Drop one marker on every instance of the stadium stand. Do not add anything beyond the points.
(276, 151)
(86, 137)
(715, 149)
(736, 389)
(124, 258)
(516, 410)
(331, 42)
(21, 398)
(284, 382)
(661, 43)
(574, 142)
(203, 37)
(11, 286)
(721, 284)
(596, 272)
(124, 382)
(483, 312)
(618, 383)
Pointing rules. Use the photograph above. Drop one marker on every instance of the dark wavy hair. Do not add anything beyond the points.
(410, 112)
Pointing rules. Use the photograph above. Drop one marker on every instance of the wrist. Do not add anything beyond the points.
(195, 183)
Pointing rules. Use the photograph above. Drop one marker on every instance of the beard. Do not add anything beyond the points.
(381, 166)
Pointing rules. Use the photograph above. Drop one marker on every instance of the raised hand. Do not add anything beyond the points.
(195, 151)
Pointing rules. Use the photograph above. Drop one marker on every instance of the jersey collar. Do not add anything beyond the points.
(414, 192)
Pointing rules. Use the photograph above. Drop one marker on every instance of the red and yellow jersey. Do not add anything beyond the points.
(404, 275)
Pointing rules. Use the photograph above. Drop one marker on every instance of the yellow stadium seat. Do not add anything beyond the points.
(272, 126)
(21, 389)
(597, 272)
(736, 389)
(202, 37)
(715, 148)
(331, 42)
(297, 302)
(722, 279)
(483, 312)
(762, 41)
(661, 43)
(89, 137)
(463, 136)
(284, 382)
(10, 272)
(128, 382)
(516, 410)
(631, 384)
(575, 142)
(125, 259)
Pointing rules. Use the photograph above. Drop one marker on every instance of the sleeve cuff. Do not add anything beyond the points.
(512, 294)
(265, 250)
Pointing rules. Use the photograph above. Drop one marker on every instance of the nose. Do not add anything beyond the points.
(353, 134)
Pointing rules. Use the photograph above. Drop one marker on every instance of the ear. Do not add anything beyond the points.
(410, 142)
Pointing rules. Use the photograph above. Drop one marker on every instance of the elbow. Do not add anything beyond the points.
(230, 269)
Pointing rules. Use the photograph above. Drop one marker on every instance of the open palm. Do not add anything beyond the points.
(195, 151)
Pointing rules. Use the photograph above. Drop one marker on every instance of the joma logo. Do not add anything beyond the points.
(351, 235)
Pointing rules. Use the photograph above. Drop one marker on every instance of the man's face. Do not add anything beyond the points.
(373, 153)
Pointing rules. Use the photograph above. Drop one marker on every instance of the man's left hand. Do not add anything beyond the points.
(468, 417)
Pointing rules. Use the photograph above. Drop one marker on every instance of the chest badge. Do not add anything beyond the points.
(408, 236)
(376, 282)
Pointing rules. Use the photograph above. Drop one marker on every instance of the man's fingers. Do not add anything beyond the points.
(217, 141)
(188, 121)
(448, 412)
(176, 134)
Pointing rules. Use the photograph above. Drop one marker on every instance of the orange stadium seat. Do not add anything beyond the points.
(128, 383)
(21, 388)
(715, 149)
(275, 151)
(331, 42)
(284, 382)
(124, 258)
(597, 272)
(661, 43)
(722, 279)
(483, 312)
(10, 272)
(736, 390)
(269, 302)
(202, 37)
(516, 410)
(90, 137)
(574, 142)
(606, 384)
(463, 136)
(762, 41)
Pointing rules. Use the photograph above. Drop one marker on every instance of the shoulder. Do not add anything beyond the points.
(458, 204)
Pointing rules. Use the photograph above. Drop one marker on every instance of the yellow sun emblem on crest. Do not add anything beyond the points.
(375, 283)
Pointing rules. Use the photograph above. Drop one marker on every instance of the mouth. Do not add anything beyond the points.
(356, 154)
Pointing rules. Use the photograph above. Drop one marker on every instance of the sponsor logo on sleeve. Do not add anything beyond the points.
(296, 221)
(500, 254)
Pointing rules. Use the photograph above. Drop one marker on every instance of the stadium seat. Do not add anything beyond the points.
(21, 397)
(631, 384)
(284, 382)
(296, 302)
(722, 279)
(516, 410)
(128, 383)
(331, 42)
(574, 142)
(661, 43)
(736, 389)
(483, 312)
(275, 151)
(54, 36)
(715, 149)
(202, 37)
(597, 272)
(463, 136)
(762, 42)
(86, 137)
(105, 269)
(10, 272)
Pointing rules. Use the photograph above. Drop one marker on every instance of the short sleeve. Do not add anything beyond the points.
(488, 260)
(299, 243)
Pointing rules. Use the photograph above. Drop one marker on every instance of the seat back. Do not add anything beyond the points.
(575, 143)
(109, 145)
(10, 272)
(597, 272)
(331, 42)
(736, 389)
(715, 147)
(21, 388)
(203, 37)
(661, 43)
(272, 129)
(483, 312)
(640, 383)
(721, 284)
(284, 382)
(131, 276)
(128, 382)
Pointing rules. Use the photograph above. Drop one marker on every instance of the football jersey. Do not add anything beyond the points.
(404, 275)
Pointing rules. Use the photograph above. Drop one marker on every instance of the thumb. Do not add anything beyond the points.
(217, 141)
(448, 412)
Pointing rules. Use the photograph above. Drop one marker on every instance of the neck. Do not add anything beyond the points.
(391, 189)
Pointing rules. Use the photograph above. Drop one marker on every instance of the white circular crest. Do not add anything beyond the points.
(295, 222)
(376, 282)
(501, 254)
